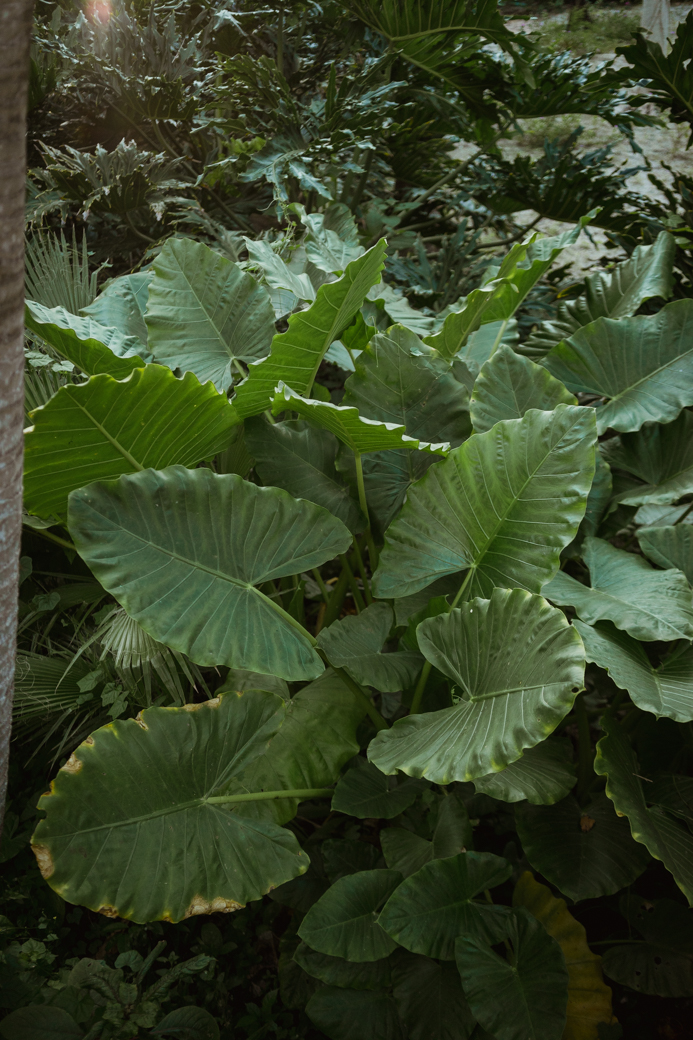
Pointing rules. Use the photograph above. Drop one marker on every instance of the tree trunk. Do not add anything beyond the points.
(15, 32)
(655, 21)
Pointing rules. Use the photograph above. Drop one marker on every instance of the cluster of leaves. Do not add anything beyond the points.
(423, 591)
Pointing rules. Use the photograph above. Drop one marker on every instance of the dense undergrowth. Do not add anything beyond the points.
(379, 518)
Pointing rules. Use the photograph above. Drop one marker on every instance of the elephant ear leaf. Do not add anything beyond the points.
(503, 504)
(669, 547)
(344, 922)
(183, 551)
(525, 997)
(296, 354)
(355, 643)
(132, 828)
(659, 455)
(544, 775)
(123, 303)
(92, 347)
(508, 385)
(204, 313)
(643, 366)
(104, 427)
(518, 665)
(665, 838)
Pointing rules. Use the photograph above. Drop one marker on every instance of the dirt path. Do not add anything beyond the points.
(659, 144)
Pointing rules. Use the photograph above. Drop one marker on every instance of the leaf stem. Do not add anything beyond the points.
(53, 538)
(426, 670)
(264, 796)
(362, 572)
(321, 584)
(336, 598)
(358, 598)
(463, 586)
(361, 695)
(360, 483)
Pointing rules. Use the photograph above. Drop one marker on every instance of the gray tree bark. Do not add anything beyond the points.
(655, 21)
(15, 33)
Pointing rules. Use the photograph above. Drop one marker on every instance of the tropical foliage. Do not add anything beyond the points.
(359, 570)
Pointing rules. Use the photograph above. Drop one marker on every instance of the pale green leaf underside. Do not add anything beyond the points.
(665, 838)
(92, 347)
(643, 366)
(122, 304)
(104, 427)
(518, 665)
(544, 775)
(665, 691)
(625, 589)
(505, 503)
(182, 551)
(203, 312)
(359, 434)
(128, 830)
(508, 385)
(296, 354)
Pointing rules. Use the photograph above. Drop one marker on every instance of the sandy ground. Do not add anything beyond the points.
(659, 144)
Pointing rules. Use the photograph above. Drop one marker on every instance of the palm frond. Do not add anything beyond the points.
(57, 272)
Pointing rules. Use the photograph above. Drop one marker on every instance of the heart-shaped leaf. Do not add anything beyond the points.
(646, 603)
(659, 455)
(368, 794)
(665, 691)
(432, 907)
(522, 999)
(123, 303)
(129, 828)
(344, 922)
(183, 551)
(355, 643)
(585, 853)
(508, 385)
(669, 547)
(518, 665)
(204, 313)
(351, 1014)
(643, 366)
(104, 427)
(408, 852)
(335, 971)
(430, 1000)
(504, 503)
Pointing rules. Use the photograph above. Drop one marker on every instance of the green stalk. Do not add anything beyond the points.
(280, 41)
(264, 796)
(462, 587)
(362, 572)
(336, 600)
(360, 483)
(355, 591)
(54, 538)
(321, 584)
(585, 750)
(361, 695)
(499, 337)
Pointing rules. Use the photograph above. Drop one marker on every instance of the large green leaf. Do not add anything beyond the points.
(297, 353)
(359, 434)
(408, 852)
(84, 342)
(660, 455)
(301, 459)
(518, 665)
(316, 738)
(665, 838)
(344, 922)
(352, 1014)
(430, 1000)
(669, 547)
(642, 366)
(204, 313)
(182, 551)
(520, 999)
(40, 1022)
(508, 385)
(367, 793)
(544, 775)
(585, 853)
(432, 907)
(129, 828)
(665, 691)
(355, 643)
(625, 589)
(123, 303)
(395, 382)
(615, 293)
(104, 427)
(504, 504)
(499, 298)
